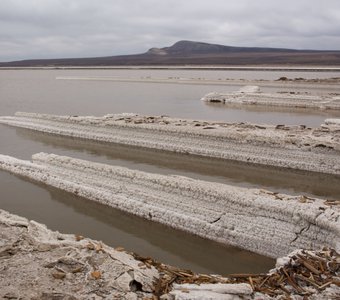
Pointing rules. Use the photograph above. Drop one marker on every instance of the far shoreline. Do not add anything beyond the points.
(292, 68)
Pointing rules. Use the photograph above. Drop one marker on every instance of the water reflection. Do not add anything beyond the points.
(229, 172)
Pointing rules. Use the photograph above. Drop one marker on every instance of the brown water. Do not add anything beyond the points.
(38, 91)
(70, 214)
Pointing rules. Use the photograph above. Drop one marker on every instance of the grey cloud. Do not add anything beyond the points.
(77, 28)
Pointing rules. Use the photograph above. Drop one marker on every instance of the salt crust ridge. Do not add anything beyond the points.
(253, 219)
(251, 95)
(295, 147)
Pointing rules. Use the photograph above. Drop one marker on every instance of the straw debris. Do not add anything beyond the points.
(303, 273)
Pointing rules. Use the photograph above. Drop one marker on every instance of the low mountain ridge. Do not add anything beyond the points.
(197, 53)
(190, 48)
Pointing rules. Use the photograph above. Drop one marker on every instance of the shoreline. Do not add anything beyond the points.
(294, 147)
(321, 68)
(46, 264)
(321, 84)
(257, 220)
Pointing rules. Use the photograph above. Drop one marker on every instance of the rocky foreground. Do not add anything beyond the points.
(37, 263)
(295, 147)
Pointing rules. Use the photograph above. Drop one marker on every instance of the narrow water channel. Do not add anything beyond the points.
(22, 143)
(68, 213)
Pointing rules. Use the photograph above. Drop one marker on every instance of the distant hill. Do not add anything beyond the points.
(197, 53)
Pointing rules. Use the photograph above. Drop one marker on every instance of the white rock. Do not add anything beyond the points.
(332, 121)
(219, 288)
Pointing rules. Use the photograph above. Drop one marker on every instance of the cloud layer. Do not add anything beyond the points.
(84, 28)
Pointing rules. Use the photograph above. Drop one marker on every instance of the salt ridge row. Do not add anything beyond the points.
(296, 147)
(253, 219)
(251, 95)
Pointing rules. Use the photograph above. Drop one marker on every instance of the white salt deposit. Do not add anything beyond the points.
(218, 291)
(249, 89)
(252, 95)
(264, 222)
(332, 122)
(294, 147)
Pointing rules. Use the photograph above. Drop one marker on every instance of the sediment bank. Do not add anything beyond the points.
(37, 263)
(295, 147)
(257, 220)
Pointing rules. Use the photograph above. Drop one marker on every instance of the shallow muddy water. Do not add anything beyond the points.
(71, 214)
(23, 143)
(39, 91)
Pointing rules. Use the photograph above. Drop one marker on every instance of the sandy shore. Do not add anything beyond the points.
(295, 147)
(37, 263)
(257, 220)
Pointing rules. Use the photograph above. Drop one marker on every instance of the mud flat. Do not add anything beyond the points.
(257, 220)
(37, 263)
(295, 147)
(251, 95)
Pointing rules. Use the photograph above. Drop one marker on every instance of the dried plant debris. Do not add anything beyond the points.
(303, 273)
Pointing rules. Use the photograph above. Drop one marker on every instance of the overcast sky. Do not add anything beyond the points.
(85, 28)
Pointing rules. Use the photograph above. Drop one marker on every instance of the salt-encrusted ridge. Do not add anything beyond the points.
(257, 220)
(251, 95)
(294, 147)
